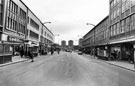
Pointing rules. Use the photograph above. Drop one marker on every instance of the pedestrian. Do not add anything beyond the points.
(52, 51)
(58, 50)
(30, 54)
(21, 52)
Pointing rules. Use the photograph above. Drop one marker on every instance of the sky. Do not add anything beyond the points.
(69, 17)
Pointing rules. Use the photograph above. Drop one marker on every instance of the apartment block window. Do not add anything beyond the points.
(132, 2)
(34, 24)
(1, 18)
(28, 20)
(123, 8)
(127, 4)
(132, 22)
(45, 33)
(1, 13)
(133, 16)
(12, 6)
(19, 27)
(118, 28)
(111, 33)
(22, 14)
(112, 4)
(127, 26)
(122, 26)
(115, 29)
(34, 35)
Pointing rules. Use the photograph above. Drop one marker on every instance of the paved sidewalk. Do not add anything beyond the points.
(15, 59)
(122, 64)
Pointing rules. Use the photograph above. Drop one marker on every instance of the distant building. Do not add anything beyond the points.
(80, 42)
(70, 43)
(63, 43)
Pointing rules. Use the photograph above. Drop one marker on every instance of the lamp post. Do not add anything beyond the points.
(43, 43)
(47, 22)
(94, 36)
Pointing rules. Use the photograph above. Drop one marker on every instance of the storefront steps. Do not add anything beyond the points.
(15, 59)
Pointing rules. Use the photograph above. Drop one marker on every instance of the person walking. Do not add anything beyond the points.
(21, 52)
(30, 55)
(52, 51)
(58, 50)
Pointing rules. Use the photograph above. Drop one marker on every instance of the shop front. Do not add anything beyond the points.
(122, 51)
(33, 46)
(103, 52)
(9, 47)
(43, 49)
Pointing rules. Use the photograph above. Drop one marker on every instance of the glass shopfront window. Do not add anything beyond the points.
(8, 49)
(1, 49)
(122, 26)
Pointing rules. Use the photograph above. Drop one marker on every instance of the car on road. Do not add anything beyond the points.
(80, 52)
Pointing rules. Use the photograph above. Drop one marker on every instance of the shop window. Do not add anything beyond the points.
(8, 49)
(1, 49)
(1, 19)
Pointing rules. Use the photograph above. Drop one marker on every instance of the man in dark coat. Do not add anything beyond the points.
(21, 53)
(30, 55)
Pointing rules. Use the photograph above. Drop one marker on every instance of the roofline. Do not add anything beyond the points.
(47, 29)
(96, 25)
(36, 17)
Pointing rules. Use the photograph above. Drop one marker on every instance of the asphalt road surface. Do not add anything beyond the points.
(65, 69)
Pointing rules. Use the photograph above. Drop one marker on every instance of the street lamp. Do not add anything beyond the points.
(47, 22)
(94, 36)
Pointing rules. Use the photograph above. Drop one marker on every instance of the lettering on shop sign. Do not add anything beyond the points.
(13, 39)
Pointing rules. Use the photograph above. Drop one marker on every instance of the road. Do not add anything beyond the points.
(65, 69)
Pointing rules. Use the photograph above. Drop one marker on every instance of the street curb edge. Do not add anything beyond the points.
(13, 63)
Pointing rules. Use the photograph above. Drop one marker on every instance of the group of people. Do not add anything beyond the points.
(28, 53)
(52, 51)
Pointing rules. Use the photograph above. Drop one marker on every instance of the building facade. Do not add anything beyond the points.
(80, 43)
(113, 37)
(14, 28)
(20, 28)
(46, 39)
(63, 43)
(122, 28)
(95, 42)
(70, 44)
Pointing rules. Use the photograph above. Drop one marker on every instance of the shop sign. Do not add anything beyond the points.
(13, 39)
